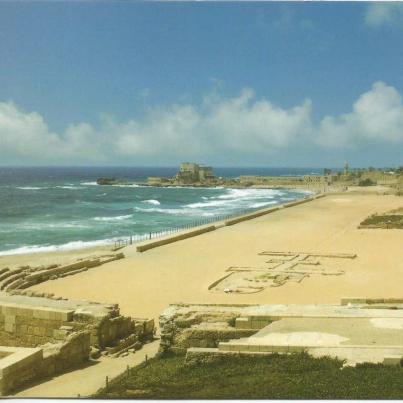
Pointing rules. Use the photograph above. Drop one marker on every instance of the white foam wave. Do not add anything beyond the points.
(31, 188)
(250, 194)
(152, 201)
(117, 218)
(41, 226)
(212, 203)
(70, 187)
(132, 185)
(178, 211)
(56, 248)
(235, 199)
(262, 204)
(89, 183)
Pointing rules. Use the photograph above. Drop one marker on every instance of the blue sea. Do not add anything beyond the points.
(47, 209)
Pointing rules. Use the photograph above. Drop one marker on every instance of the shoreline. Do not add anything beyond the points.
(107, 245)
(144, 284)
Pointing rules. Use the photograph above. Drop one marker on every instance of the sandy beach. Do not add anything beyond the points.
(145, 283)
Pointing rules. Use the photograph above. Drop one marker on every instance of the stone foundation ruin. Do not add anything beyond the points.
(279, 269)
(41, 337)
(358, 330)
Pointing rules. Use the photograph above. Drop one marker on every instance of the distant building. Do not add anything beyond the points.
(400, 185)
(193, 173)
(380, 177)
(346, 169)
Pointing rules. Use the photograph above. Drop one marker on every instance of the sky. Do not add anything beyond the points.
(308, 84)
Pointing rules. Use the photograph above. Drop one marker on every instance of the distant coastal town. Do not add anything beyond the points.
(196, 175)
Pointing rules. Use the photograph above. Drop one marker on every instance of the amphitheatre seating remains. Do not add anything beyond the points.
(22, 277)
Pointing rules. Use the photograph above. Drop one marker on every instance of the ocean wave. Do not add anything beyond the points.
(89, 183)
(70, 187)
(235, 199)
(176, 211)
(55, 248)
(152, 201)
(132, 185)
(42, 226)
(211, 203)
(31, 187)
(116, 218)
(251, 194)
(262, 204)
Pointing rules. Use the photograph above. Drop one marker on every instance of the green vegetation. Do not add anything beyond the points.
(295, 376)
(394, 221)
(366, 182)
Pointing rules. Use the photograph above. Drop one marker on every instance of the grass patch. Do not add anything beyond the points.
(295, 376)
(384, 221)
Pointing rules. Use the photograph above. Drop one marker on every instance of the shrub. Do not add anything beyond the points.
(366, 182)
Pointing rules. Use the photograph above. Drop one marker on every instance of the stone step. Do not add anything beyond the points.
(15, 284)
(11, 279)
(9, 273)
(247, 347)
(4, 269)
(242, 345)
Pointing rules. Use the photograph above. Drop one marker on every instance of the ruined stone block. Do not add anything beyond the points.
(9, 327)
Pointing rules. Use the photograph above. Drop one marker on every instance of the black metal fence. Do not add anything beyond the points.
(119, 243)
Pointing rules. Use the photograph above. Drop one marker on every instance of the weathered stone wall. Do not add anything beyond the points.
(71, 353)
(24, 365)
(180, 331)
(65, 333)
(30, 326)
(32, 321)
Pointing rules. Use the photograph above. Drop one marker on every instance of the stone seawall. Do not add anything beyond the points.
(154, 243)
(174, 238)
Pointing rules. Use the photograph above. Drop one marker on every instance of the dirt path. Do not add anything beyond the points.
(86, 381)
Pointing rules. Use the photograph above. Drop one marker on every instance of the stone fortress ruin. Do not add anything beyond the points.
(189, 174)
(41, 336)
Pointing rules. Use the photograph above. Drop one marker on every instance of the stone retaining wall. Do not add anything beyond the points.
(33, 321)
(28, 326)
(180, 331)
(41, 337)
(24, 365)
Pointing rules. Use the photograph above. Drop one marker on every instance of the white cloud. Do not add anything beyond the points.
(242, 128)
(377, 117)
(24, 134)
(384, 13)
